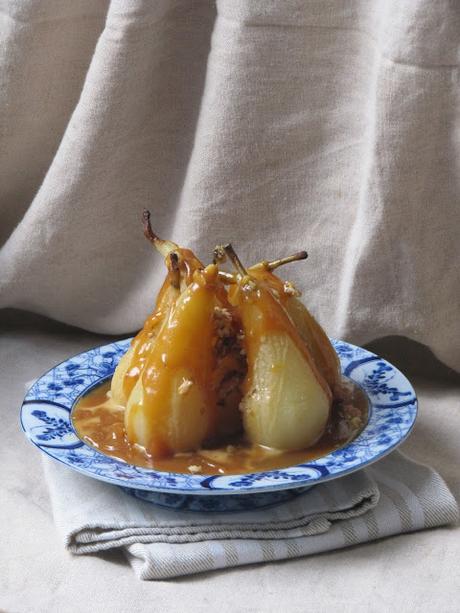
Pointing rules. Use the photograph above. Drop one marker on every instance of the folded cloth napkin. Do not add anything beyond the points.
(393, 496)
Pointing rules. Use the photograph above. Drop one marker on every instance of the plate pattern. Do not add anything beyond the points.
(45, 418)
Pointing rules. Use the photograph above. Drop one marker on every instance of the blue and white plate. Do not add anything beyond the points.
(45, 418)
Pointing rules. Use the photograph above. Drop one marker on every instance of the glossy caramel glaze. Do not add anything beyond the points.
(189, 325)
(169, 292)
(100, 423)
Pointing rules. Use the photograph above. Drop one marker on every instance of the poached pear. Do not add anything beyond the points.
(172, 407)
(287, 400)
(181, 264)
(224, 353)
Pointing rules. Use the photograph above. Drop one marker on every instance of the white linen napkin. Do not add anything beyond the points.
(393, 496)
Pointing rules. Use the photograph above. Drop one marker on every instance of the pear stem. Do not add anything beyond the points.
(175, 272)
(295, 257)
(226, 277)
(148, 232)
(218, 254)
(235, 260)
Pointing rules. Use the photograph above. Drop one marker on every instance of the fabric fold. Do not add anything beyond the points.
(394, 496)
(277, 126)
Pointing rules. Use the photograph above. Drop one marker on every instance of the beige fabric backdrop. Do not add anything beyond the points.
(325, 124)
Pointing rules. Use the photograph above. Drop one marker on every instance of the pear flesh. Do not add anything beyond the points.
(286, 406)
(313, 335)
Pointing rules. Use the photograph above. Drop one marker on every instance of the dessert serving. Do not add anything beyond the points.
(230, 398)
(230, 374)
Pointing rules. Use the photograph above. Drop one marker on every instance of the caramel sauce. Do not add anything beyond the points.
(99, 422)
(188, 325)
(167, 296)
(188, 262)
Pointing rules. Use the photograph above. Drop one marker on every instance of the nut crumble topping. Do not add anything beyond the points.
(185, 386)
(290, 289)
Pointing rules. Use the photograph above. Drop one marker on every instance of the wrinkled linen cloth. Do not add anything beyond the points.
(394, 496)
(318, 124)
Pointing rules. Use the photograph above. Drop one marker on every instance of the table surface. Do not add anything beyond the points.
(417, 572)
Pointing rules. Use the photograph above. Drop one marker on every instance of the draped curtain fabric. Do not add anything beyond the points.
(330, 125)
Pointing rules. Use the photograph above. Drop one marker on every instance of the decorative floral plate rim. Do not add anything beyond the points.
(46, 420)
